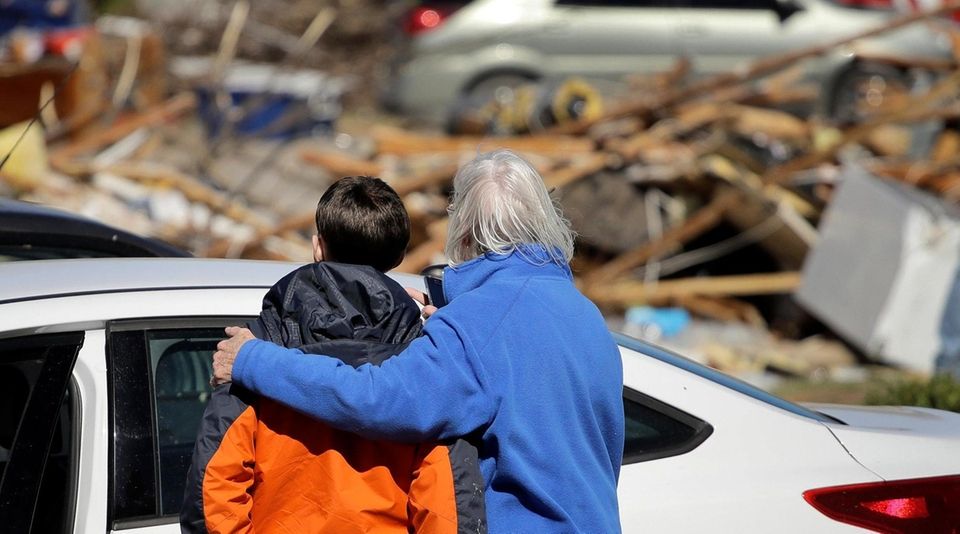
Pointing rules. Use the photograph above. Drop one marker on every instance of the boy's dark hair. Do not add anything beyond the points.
(362, 221)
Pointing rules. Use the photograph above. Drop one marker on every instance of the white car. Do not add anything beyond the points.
(103, 378)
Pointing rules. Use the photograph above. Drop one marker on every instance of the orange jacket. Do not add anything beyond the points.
(260, 466)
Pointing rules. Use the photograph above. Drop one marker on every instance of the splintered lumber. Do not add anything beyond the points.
(756, 215)
(170, 109)
(721, 309)
(889, 140)
(752, 71)
(946, 147)
(23, 156)
(423, 179)
(661, 81)
(194, 190)
(340, 164)
(632, 292)
(908, 62)
(673, 239)
(580, 168)
(784, 87)
(302, 221)
(939, 177)
(394, 141)
(423, 255)
(721, 167)
(913, 109)
(687, 119)
(748, 121)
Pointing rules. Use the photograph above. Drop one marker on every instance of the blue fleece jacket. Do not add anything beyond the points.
(518, 358)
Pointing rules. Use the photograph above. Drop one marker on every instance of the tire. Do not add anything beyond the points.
(501, 86)
(862, 90)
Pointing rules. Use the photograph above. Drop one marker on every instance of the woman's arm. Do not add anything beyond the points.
(432, 390)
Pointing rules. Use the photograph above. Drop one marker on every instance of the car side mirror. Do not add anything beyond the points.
(786, 9)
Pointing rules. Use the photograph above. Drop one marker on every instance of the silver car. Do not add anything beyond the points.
(490, 44)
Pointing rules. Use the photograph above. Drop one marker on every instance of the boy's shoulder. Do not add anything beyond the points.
(342, 276)
(334, 300)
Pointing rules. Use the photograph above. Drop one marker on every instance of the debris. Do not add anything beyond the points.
(623, 293)
(883, 272)
(27, 165)
(703, 195)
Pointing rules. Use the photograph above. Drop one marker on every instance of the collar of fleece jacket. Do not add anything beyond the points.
(525, 260)
(329, 302)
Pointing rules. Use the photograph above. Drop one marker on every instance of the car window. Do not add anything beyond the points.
(655, 430)
(180, 361)
(38, 433)
(160, 371)
(715, 376)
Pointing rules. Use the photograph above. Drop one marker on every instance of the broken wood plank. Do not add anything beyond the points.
(174, 107)
(634, 292)
(946, 147)
(889, 140)
(426, 253)
(340, 164)
(307, 219)
(686, 120)
(672, 240)
(913, 109)
(157, 175)
(395, 141)
(430, 177)
(749, 121)
(580, 168)
(722, 309)
(421, 256)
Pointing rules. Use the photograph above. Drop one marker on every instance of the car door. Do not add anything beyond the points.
(609, 38)
(158, 370)
(719, 35)
(38, 433)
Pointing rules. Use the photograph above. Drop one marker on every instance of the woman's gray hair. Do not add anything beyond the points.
(500, 202)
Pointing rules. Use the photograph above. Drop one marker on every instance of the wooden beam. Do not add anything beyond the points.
(340, 164)
(913, 109)
(634, 292)
(701, 221)
(395, 141)
(579, 169)
(170, 109)
(160, 176)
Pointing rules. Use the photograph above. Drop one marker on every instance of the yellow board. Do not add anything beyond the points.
(27, 165)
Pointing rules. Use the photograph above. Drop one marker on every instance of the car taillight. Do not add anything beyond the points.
(920, 505)
(424, 19)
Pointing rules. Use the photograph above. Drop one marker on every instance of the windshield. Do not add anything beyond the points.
(715, 376)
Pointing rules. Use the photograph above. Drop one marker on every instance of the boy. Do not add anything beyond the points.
(260, 466)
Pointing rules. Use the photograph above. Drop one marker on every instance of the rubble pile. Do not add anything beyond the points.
(700, 195)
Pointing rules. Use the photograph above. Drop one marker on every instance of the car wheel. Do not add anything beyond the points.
(500, 89)
(864, 90)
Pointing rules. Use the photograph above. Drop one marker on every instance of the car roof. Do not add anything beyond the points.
(23, 224)
(55, 278)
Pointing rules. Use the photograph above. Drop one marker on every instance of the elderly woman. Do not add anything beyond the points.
(518, 361)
